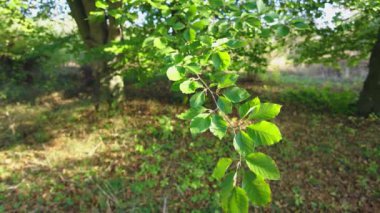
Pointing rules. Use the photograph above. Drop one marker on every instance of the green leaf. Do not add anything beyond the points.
(219, 42)
(189, 35)
(175, 86)
(266, 111)
(301, 25)
(224, 105)
(244, 109)
(243, 143)
(178, 26)
(269, 18)
(282, 30)
(201, 24)
(200, 124)
(221, 60)
(250, 5)
(116, 13)
(264, 133)
(101, 5)
(221, 168)
(260, 5)
(191, 113)
(194, 68)
(158, 5)
(248, 107)
(263, 166)
(216, 3)
(235, 44)
(158, 43)
(236, 94)
(96, 16)
(225, 58)
(254, 102)
(265, 33)
(216, 61)
(174, 74)
(226, 188)
(191, 11)
(238, 201)
(189, 86)
(253, 22)
(198, 99)
(226, 80)
(258, 191)
(218, 126)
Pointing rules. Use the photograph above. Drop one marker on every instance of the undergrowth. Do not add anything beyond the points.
(321, 99)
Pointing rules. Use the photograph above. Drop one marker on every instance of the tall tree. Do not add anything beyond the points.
(369, 100)
(352, 39)
(98, 28)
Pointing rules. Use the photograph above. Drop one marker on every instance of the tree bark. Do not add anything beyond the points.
(369, 99)
(96, 33)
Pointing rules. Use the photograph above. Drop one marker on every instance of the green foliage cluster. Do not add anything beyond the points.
(346, 38)
(202, 46)
(30, 49)
(201, 53)
(154, 28)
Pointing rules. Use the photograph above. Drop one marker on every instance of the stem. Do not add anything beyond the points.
(208, 88)
(238, 165)
(215, 101)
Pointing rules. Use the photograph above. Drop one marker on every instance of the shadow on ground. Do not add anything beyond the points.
(141, 158)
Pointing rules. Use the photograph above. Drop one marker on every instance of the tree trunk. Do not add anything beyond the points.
(369, 100)
(96, 33)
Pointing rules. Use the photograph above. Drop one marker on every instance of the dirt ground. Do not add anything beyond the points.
(59, 155)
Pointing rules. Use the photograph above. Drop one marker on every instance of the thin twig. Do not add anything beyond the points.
(164, 208)
(215, 101)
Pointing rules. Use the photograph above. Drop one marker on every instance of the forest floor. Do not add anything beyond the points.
(59, 155)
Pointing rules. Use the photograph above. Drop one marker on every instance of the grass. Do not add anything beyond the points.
(59, 155)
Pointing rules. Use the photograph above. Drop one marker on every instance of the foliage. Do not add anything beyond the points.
(202, 45)
(31, 48)
(200, 52)
(346, 38)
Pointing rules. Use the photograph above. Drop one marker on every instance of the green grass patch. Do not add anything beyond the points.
(321, 99)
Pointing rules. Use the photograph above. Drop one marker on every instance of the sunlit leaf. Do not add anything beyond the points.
(257, 189)
(189, 35)
(198, 99)
(191, 113)
(200, 124)
(224, 105)
(236, 94)
(243, 143)
(174, 74)
(263, 166)
(238, 201)
(221, 168)
(189, 86)
(218, 126)
(264, 133)
(221, 60)
(266, 111)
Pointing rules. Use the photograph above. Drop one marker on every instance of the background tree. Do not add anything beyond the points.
(28, 37)
(351, 39)
(98, 26)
